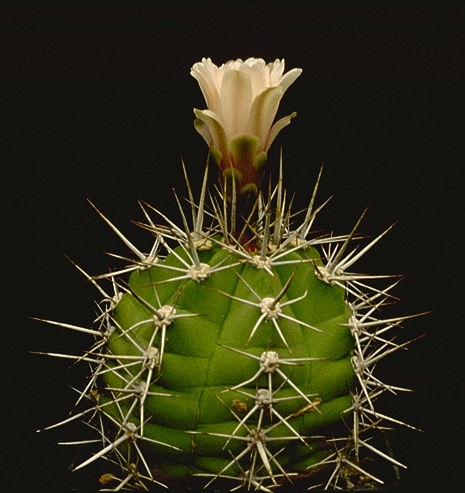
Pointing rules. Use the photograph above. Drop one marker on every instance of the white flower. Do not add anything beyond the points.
(242, 101)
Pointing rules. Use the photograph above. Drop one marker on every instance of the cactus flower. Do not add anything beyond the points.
(242, 100)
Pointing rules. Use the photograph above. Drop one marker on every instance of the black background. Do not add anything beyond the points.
(97, 103)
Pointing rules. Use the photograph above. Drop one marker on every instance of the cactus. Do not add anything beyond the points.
(242, 347)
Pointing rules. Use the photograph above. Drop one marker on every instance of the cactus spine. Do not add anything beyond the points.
(240, 349)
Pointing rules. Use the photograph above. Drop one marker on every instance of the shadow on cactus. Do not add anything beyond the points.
(241, 349)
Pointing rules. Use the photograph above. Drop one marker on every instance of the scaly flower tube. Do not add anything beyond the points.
(242, 101)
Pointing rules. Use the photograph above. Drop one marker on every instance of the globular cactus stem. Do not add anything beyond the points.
(241, 348)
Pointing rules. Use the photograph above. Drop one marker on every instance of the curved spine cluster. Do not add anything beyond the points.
(264, 240)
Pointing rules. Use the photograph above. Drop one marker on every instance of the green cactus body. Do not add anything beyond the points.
(196, 363)
(218, 358)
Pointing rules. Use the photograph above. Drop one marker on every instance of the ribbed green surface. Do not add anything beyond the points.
(196, 366)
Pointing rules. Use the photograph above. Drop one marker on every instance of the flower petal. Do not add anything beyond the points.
(206, 74)
(216, 130)
(263, 111)
(289, 78)
(275, 70)
(203, 130)
(276, 128)
(258, 73)
(236, 98)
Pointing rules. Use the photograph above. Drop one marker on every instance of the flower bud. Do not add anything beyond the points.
(238, 125)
